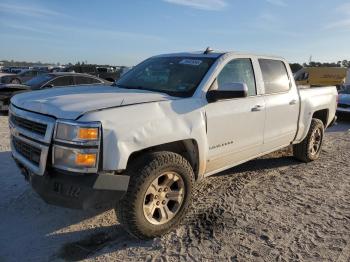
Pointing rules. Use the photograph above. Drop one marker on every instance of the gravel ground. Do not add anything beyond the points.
(270, 209)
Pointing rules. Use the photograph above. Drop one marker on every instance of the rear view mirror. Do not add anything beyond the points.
(227, 91)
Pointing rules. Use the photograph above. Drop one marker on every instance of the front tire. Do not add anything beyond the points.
(158, 196)
(309, 149)
(15, 81)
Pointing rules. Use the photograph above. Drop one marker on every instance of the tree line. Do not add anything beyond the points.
(296, 66)
(10, 63)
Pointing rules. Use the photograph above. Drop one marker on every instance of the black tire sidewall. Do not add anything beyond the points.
(315, 124)
(144, 171)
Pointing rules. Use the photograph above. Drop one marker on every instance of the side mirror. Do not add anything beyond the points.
(227, 91)
(48, 86)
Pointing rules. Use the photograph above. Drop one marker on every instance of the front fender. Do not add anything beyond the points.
(136, 127)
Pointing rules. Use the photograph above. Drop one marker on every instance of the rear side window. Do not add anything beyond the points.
(238, 71)
(83, 80)
(29, 73)
(62, 81)
(275, 76)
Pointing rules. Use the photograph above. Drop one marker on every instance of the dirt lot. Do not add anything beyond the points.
(270, 209)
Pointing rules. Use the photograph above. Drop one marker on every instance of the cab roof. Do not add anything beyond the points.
(217, 54)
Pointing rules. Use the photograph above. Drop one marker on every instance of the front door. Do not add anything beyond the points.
(235, 126)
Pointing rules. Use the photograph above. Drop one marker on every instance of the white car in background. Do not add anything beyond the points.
(344, 100)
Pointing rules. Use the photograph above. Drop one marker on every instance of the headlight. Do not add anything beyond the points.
(76, 146)
(73, 159)
(87, 133)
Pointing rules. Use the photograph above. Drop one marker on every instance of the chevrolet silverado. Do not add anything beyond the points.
(171, 121)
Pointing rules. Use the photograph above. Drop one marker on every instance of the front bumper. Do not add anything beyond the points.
(89, 191)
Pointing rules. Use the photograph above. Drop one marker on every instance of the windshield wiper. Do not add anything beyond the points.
(168, 92)
(131, 87)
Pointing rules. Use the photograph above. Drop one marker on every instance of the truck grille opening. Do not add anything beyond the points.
(343, 105)
(28, 151)
(29, 125)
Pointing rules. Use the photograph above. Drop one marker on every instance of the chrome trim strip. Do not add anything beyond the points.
(48, 121)
(81, 150)
(39, 170)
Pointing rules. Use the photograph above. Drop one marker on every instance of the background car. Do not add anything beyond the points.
(21, 77)
(344, 101)
(106, 72)
(44, 81)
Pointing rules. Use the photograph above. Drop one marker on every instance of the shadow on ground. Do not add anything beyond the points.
(34, 224)
(278, 159)
(342, 124)
(90, 245)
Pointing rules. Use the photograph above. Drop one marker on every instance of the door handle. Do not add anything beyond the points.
(257, 108)
(293, 102)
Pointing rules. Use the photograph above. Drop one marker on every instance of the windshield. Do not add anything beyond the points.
(37, 82)
(177, 76)
(345, 90)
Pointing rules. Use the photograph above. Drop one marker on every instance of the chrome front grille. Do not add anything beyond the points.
(28, 151)
(31, 135)
(29, 125)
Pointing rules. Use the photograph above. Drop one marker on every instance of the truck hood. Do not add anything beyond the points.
(72, 102)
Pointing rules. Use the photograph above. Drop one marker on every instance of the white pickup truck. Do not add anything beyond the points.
(170, 121)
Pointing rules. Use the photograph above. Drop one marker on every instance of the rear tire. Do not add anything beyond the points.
(309, 149)
(156, 179)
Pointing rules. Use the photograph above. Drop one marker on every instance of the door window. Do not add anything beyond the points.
(83, 80)
(275, 76)
(28, 73)
(238, 71)
(62, 81)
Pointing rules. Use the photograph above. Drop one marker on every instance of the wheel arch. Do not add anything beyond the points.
(322, 115)
(186, 148)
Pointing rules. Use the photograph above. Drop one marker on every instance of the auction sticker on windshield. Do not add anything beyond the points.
(193, 62)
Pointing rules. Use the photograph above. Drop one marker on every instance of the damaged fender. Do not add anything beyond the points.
(133, 128)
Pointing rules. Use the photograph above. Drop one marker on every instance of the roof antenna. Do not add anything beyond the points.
(208, 50)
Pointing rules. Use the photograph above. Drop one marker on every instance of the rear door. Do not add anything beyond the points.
(282, 104)
(235, 126)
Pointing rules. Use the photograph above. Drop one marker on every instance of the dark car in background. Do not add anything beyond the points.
(50, 80)
(109, 73)
(14, 69)
(21, 77)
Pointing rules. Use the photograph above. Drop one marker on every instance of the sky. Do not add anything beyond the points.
(120, 32)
